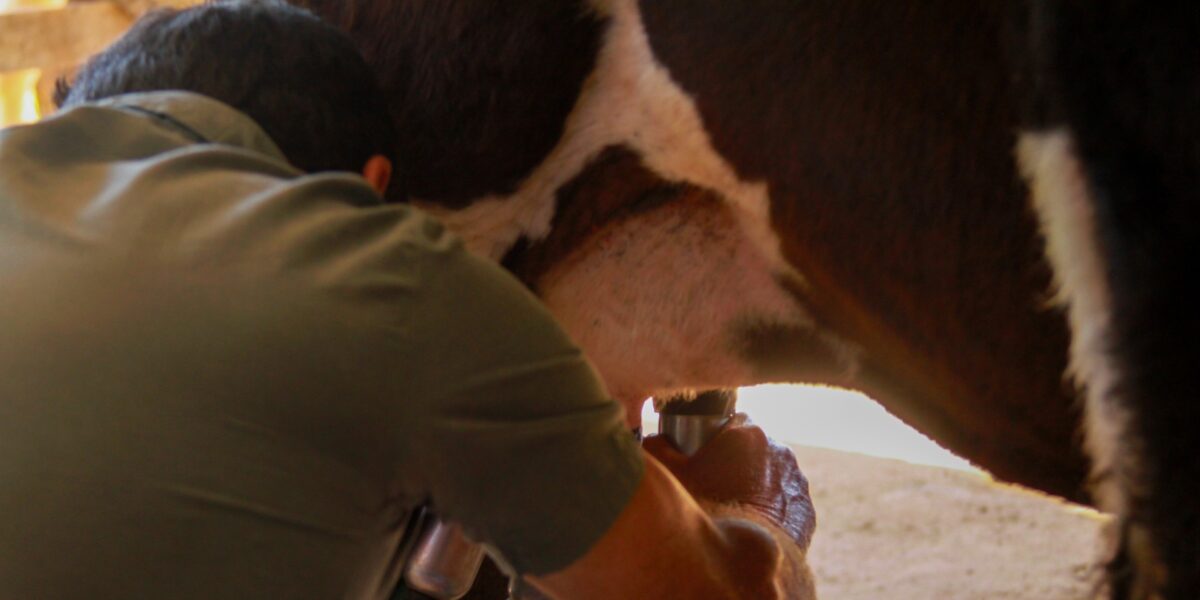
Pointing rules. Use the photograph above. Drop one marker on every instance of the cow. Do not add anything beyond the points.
(711, 194)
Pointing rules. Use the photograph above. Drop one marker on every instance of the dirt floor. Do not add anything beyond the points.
(890, 530)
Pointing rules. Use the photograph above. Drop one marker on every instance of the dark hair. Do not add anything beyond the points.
(299, 78)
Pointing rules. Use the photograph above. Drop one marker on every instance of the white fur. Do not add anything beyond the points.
(629, 99)
(1060, 197)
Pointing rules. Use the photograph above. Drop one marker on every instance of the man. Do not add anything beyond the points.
(228, 370)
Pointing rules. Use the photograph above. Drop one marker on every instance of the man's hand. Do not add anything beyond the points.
(751, 543)
(742, 466)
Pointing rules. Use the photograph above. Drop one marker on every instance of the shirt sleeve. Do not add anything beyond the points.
(514, 436)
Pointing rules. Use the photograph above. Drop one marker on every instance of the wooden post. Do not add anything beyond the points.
(66, 36)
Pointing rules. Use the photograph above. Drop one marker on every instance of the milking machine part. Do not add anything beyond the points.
(443, 563)
(690, 423)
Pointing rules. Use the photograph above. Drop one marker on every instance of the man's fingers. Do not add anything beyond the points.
(737, 441)
(661, 448)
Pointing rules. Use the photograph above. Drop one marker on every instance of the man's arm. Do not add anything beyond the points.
(663, 545)
(749, 540)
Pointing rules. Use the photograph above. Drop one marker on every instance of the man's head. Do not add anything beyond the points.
(300, 79)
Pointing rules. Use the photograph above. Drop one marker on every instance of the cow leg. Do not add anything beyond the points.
(1122, 140)
(1068, 223)
(1142, 465)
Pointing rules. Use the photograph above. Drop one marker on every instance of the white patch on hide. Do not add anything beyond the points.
(652, 301)
(1060, 197)
(629, 99)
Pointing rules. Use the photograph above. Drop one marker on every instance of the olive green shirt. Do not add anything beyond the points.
(223, 378)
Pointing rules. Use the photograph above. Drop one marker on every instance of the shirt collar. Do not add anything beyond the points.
(200, 117)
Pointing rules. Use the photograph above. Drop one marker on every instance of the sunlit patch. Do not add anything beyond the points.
(835, 418)
(18, 89)
(15, 5)
(1088, 512)
(18, 97)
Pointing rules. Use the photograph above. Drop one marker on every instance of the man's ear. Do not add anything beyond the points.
(378, 172)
